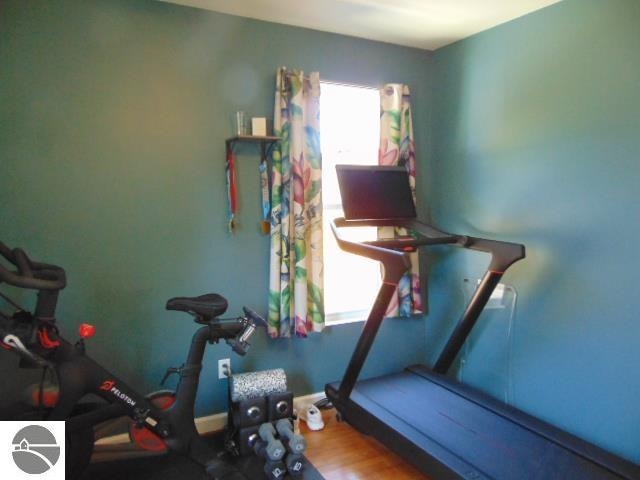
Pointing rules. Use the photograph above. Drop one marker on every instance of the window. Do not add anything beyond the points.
(350, 133)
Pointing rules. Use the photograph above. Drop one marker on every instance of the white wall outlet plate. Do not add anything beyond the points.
(224, 368)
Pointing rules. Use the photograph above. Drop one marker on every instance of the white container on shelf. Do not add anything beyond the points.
(259, 126)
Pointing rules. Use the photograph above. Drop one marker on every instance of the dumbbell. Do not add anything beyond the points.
(295, 443)
(274, 469)
(295, 464)
(274, 450)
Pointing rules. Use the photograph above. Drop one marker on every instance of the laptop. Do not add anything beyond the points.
(375, 192)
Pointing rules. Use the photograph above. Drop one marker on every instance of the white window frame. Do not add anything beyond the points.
(332, 207)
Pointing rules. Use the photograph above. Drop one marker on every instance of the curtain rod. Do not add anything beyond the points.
(345, 84)
(340, 84)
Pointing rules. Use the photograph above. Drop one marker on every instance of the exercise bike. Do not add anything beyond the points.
(161, 422)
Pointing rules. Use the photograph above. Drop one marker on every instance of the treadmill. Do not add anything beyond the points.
(446, 429)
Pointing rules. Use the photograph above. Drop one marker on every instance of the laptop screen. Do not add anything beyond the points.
(375, 192)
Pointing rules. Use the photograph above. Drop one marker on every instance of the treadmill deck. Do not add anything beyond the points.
(457, 432)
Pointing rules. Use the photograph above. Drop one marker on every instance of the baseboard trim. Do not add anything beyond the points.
(217, 421)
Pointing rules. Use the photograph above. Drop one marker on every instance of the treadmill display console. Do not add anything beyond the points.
(375, 192)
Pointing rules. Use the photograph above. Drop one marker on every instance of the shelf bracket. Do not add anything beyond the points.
(267, 144)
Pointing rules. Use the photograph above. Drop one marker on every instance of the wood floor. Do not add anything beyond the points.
(341, 453)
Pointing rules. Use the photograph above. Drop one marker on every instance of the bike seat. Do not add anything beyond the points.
(206, 306)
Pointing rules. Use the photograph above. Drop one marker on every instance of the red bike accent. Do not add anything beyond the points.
(86, 330)
(49, 398)
(46, 341)
(107, 385)
(164, 402)
(146, 438)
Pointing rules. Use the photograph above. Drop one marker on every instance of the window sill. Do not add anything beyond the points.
(341, 318)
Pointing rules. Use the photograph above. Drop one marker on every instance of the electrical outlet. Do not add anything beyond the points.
(224, 368)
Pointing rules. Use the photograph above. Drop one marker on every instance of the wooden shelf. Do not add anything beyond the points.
(252, 139)
(266, 144)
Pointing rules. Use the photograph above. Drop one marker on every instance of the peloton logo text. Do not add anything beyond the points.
(110, 386)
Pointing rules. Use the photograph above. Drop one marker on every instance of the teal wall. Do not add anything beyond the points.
(536, 140)
(113, 116)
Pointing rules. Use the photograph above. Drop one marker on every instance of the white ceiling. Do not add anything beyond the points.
(427, 24)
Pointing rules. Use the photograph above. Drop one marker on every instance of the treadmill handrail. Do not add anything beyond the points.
(503, 254)
(395, 263)
(394, 256)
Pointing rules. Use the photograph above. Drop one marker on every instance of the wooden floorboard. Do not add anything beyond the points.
(339, 452)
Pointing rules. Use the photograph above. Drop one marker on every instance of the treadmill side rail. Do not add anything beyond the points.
(392, 253)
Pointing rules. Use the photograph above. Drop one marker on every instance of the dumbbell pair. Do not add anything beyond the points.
(296, 446)
(267, 446)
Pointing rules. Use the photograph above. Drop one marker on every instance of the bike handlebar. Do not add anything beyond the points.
(240, 343)
(22, 262)
(257, 320)
(6, 252)
(29, 274)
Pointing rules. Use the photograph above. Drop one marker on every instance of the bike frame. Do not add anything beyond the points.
(167, 427)
(80, 375)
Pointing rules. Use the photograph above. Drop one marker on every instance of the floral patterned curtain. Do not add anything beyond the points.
(397, 148)
(296, 304)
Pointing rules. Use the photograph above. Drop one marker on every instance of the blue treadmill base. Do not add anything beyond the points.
(449, 430)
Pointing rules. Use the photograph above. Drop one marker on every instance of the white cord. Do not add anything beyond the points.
(508, 394)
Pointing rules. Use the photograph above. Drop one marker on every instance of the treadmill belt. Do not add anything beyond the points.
(473, 440)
